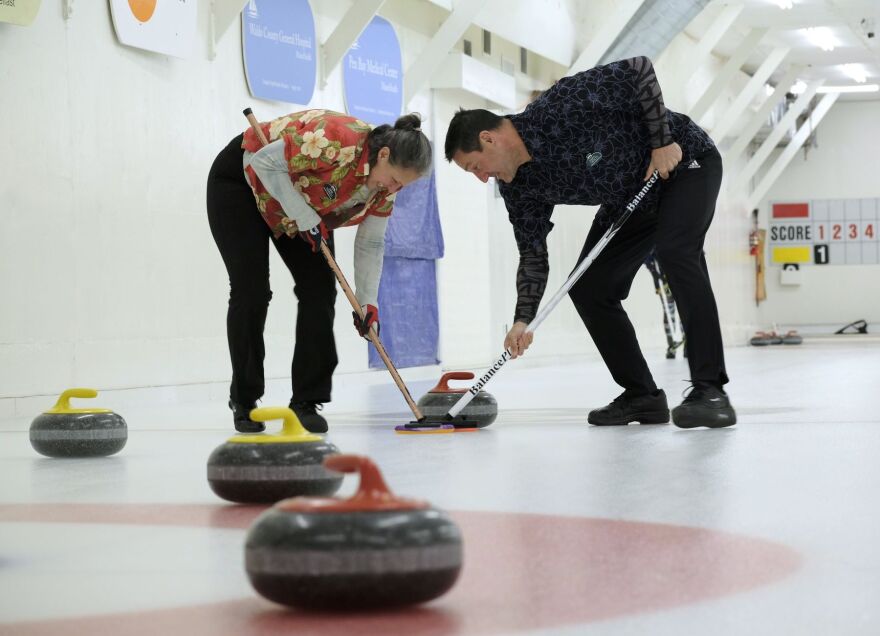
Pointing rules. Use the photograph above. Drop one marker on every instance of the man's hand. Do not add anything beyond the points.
(315, 236)
(664, 160)
(371, 317)
(518, 340)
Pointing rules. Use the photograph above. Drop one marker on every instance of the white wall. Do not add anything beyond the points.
(108, 273)
(843, 166)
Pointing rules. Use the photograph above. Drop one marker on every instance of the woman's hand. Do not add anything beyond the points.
(664, 160)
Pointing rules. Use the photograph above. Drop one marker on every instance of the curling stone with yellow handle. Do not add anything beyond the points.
(372, 551)
(64, 431)
(265, 468)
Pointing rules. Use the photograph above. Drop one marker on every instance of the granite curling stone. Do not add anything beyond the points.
(64, 431)
(372, 551)
(265, 468)
(435, 404)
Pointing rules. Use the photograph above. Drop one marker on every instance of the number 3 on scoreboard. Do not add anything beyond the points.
(820, 254)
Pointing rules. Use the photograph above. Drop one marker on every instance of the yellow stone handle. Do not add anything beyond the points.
(292, 426)
(63, 403)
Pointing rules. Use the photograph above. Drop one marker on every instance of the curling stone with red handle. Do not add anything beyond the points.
(372, 551)
(482, 410)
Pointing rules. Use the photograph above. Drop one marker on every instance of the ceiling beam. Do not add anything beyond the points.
(434, 53)
(346, 33)
(223, 14)
(794, 145)
(754, 86)
(762, 113)
(785, 124)
(723, 78)
(722, 23)
(605, 35)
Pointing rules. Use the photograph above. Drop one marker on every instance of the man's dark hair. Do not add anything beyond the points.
(465, 128)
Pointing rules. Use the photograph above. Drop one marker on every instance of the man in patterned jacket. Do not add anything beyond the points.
(593, 139)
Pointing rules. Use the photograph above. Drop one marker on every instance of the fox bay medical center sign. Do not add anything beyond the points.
(372, 75)
(278, 42)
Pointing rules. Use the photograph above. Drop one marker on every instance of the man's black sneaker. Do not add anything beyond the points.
(706, 405)
(308, 416)
(241, 417)
(644, 409)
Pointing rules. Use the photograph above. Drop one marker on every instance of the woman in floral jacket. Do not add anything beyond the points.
(321, 170)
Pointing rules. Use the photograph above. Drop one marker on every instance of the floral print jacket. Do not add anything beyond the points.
(327, 156)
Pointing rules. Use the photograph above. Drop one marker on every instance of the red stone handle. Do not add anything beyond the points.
(372, 494)
(443, 384)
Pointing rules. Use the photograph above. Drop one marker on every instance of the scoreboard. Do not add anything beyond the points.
(825, 232)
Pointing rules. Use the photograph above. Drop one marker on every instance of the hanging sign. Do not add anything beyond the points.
(278, 43)
(372, 75)
(162, 26)
(20, 12)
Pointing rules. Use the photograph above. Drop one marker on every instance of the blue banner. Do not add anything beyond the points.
(414, 227)
(372, 75)
(408, 288)
(278, 39)
(409, 319)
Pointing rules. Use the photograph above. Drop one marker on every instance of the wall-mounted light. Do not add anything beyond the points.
(768, 90)
(784, 4)
(855, 71)
(821, 37)
(798, 87)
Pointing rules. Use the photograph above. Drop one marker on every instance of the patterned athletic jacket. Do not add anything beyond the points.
(327, 158)
(590, 137)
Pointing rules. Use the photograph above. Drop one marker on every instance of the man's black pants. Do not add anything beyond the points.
(678, 229)
(243, 237)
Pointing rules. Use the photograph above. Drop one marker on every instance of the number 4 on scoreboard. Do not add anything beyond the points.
(820, 254)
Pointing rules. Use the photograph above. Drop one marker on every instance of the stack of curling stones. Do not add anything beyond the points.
(435, 404)
(64, 431)
(372, 551)
(265, 468)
